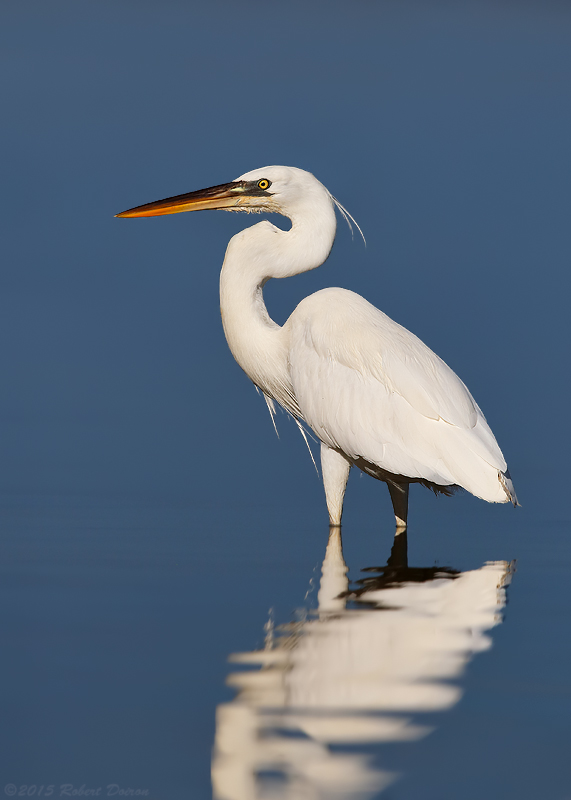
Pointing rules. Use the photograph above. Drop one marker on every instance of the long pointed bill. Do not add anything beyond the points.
(227, 195)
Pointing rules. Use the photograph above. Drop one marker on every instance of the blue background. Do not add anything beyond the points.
(149, 516)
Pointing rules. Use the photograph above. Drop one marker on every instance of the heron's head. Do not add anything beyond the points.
(269, 189)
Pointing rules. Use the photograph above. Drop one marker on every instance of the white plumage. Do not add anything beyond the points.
(385, 397)
(371, 391)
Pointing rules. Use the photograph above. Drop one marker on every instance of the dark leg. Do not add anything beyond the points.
(399, 496)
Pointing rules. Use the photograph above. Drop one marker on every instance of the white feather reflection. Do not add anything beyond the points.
(350, 676)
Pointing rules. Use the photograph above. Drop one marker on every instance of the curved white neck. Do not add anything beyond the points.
(253, 256)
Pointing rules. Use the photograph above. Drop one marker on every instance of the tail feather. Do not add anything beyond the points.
(508, 487)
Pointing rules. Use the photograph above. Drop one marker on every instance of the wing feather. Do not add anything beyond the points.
(371, 388)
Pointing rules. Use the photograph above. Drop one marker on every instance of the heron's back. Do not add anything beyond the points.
(369, 387)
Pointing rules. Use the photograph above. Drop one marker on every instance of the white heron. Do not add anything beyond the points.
(374, 395)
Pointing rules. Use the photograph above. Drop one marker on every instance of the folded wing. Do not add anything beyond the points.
(372, 389)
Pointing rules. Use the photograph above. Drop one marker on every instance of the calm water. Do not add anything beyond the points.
(442, 681)
(170, 603)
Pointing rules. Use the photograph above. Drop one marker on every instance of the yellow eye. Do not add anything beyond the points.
(263, 184)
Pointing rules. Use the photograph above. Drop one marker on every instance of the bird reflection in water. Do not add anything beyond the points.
(352, 673)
